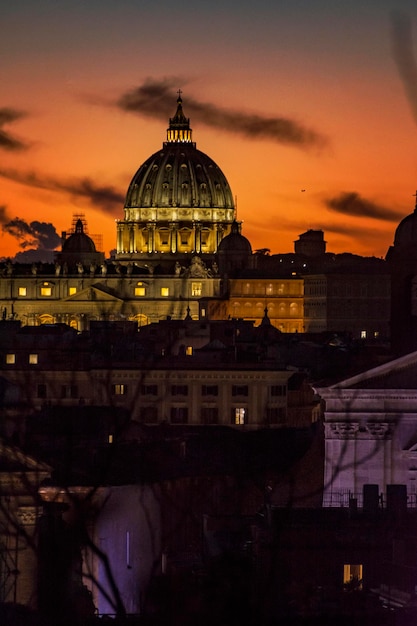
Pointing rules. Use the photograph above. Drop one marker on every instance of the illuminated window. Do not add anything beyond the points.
(239, 415)
(22, 291)
(140, 289)
(72, 291)
(119, 390)
(189, 350)
(46, 290)
(352, 576)
(10, 359)
(196, 289)
(110, 439)
(209, 415)
(363, 334)
(240, 390)
(203, 313)
(165, 292)
(179, 414)
(33, 359)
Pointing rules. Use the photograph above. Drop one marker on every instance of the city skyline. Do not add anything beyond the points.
(309, 109)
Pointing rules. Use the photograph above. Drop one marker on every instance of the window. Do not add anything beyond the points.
(46, 291)
(72, 291)
(179, 390)
(10, 359)
(69, 391)
(149, 390)
(140, 290)
(209, 415)
(189, 351)
(278, 390)
(240, 390)
(22, 291)
(196, 289)
(363, 334)
(33, 359)
(209, 390)
(119, 390)
(275, 415)
(352, 576)
(179, 415)
(148, 414)
(165, 292)
(239, 415)
(41, 391)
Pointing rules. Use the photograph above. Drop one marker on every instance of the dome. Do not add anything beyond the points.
(79, 242)
(178, 203)
(406, 233)
(235, 242)
(179, 175)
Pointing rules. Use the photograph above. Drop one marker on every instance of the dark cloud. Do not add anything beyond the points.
(351, 203)
(154, 99)
(7, 141)
(403, 54)
(32, 235)
(104, 197)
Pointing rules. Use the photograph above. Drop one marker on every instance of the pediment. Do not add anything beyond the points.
(398, 374)
(93, 293)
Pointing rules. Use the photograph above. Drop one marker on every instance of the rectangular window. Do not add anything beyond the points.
(278, 390)
(149, 390)
(275, 415)
(179, 415)
(209, 390)
(41, 391)
(240, 390)
(179, 390)
(22, 291)
(69, 391)
(148, 414)
(189, 350)
(239, 416)
(209, 415)
(72, 291)
(363, 334)
(140, 291)
(119, 390)
(33, 359)
(165, 292)
(196, 289)
(352, 577)
(10, 359)
(46, 291)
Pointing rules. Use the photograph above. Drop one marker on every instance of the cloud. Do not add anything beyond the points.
(402, 51)
(32, 235)
(7, 141)
(154, 99)
(352, 204)
(104, 197)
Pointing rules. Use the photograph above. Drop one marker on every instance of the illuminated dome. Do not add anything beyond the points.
(179, 175)
(178, 202)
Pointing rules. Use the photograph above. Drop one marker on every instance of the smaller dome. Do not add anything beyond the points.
(406, 232)
(79, 242)
(235, 242)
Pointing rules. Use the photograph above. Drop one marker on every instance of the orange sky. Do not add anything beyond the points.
(339, 72)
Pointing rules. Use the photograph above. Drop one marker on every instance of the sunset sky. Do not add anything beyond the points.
(308, 106)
